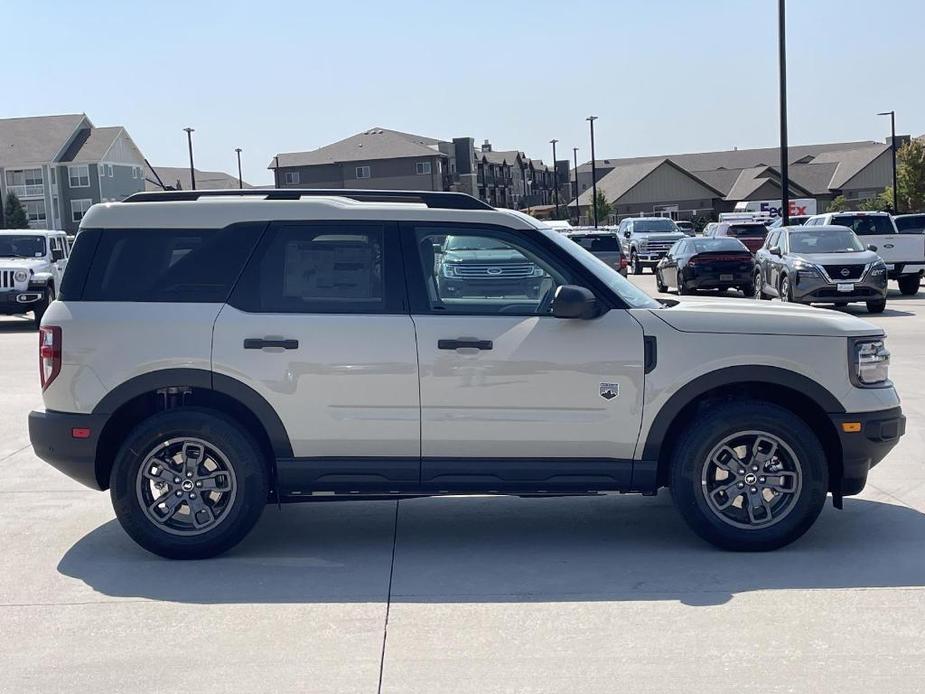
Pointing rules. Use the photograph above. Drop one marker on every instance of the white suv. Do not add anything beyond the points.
(295, 345)
(31, 265)
(904, 254)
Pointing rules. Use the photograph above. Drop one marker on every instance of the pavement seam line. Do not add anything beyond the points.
(15, 452)
(388, 601)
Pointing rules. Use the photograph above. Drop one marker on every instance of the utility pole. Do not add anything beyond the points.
(591, 120)
(784, 149)
(555, 176)
(240, 180)
(192, 171)
(577, 209)
(892, 115)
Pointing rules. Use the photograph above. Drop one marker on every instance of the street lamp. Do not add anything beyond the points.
(555, 176)
(892, 115)
(575, 158)
(591, 120)
(237, 151)
(192, 172)
(784, 158)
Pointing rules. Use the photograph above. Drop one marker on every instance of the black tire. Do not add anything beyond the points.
(876, 306)
(909, 284)
(39, 311)
(786, 292)
(758, 288)
(683, 289)
(708, 430)
(635, 265)
(243, 456)
(748, 290)
(660, 286)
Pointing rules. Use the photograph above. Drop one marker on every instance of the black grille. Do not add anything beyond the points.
(840, 273)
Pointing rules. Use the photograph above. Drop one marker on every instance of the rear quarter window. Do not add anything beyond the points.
(167, 265)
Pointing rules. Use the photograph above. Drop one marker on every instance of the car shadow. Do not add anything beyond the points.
(504, 549)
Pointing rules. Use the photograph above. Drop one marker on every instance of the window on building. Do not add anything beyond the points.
(35, 211)
(292, 177)
(109, 170)
(79, 208)
(51, 176)
(422, 168)
(78, 176)
(363, 172)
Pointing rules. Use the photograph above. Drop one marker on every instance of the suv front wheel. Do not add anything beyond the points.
(749, 476)
(188, 483)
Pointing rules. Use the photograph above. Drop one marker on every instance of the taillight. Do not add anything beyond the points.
(49, 354)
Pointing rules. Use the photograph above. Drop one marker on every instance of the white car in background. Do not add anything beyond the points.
(32, 262)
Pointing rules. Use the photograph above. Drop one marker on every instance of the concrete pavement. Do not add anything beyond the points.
(463, 595)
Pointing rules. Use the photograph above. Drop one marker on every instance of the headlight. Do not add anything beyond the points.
(448, 270)
(641, 245)
(877, 270)
(20, 276)
(538, 271)
(871, 362)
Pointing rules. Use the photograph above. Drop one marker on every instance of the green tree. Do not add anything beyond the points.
(882, 202)
(910, 176)
(14, 216)
(838, 204)
(603, 207)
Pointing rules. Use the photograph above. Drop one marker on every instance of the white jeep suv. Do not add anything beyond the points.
(31, 265)
(213, 351)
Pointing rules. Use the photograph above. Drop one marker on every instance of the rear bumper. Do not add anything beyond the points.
(51, 434)
(880, 432)
(712, 280)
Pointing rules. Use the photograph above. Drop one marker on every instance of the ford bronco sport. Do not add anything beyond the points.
(291, 345)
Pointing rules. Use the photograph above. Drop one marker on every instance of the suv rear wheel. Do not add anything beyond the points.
(188, 483)
(39, 311)
(749, 476)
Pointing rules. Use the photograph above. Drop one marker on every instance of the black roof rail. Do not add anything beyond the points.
(435, 199)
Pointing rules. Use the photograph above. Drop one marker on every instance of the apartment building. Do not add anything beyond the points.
(58, 166)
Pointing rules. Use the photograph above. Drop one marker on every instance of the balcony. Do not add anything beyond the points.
(27, 191)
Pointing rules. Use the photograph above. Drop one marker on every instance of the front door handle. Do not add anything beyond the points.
(464, 343)
(261, 343)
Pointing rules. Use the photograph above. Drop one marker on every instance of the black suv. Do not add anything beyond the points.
(820, 264)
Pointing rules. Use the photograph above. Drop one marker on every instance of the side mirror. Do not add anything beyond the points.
(57, 254)
(775, 250)
(438, 247)
(872, 247)
(626, 234)
(572, 301)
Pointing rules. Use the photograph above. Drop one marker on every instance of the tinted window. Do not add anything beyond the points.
(825, 241)
(492, 272)
(174, 265)
(865, 225)
(647, 226)
(720, 244)
(601, 242)
(748, 231)
(306, 268)
(78, 265)
(912, 224)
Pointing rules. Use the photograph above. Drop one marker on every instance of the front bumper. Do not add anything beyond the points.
(879, 432)
(650, 257)
(52, 437)
(812, 289)
(19, 300)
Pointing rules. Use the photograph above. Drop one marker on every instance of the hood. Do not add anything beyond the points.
(660, 235)
(23, 263)
(855, 258)
(749, 317)
(501, 255)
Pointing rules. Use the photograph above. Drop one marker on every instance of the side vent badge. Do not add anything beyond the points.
(609, 390)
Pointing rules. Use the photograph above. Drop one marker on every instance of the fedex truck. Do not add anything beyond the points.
(772, 208)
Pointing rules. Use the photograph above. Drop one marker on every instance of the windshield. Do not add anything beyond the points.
(21, 246)
(474, 243)
(648, 226)
(622, 287)
(747, 231)
(825, 241)
(600, 242)
(718, 244)
(864, 224)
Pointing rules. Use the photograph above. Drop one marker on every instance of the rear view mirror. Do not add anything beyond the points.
(872, 247)
(572, 301)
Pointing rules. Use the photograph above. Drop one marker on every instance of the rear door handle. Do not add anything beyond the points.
(261, 343)
(464, 343)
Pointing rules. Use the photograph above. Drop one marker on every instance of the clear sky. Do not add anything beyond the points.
(664, 76)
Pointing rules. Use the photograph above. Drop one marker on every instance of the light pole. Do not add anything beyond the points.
(555, 176)
(892, 115)
(577, 209)
(237, 151)
(192, 172)
(784, 157)
(591, 120)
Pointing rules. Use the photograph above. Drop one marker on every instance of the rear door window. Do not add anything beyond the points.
(167, 265)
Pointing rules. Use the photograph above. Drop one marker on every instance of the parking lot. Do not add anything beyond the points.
(463, 595)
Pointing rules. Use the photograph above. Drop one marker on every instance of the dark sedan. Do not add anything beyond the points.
(820, 265)
(706, 263)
